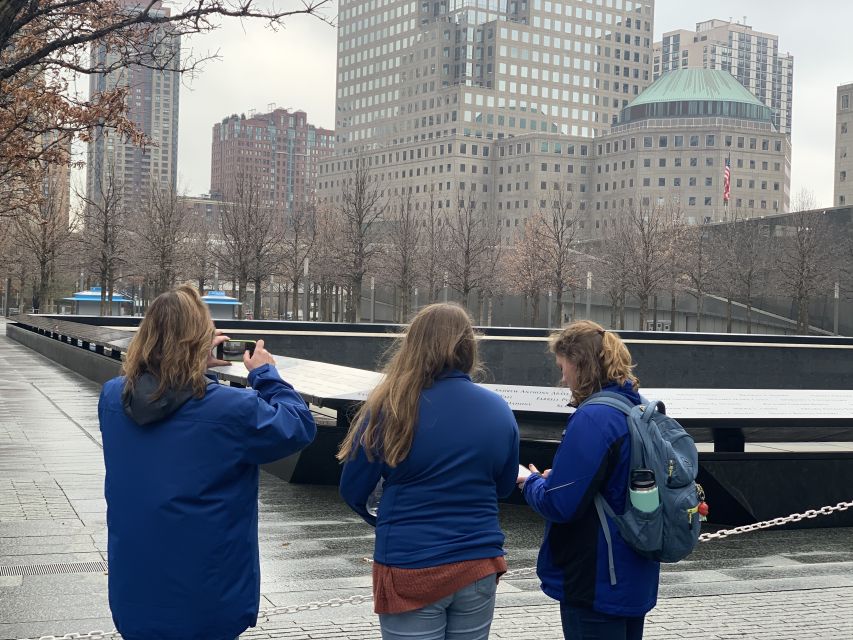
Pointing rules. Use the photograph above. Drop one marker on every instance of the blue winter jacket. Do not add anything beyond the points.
(593, 457)
(440, 504)
(182, 501)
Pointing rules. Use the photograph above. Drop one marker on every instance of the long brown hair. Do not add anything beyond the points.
(172, 343)
(599, 356)
(439, 338)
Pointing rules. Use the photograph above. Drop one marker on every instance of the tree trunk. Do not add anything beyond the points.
(749, 317)
(258, 303)
(672, 311)
(728, 315)
(700, 303)
(655, 312)
(644, 311)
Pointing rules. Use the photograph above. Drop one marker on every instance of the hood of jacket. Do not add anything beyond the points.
(139, 407)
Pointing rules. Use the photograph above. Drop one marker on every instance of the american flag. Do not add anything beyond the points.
(727, 181)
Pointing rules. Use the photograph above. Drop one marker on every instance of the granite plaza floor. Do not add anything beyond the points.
(764, 585)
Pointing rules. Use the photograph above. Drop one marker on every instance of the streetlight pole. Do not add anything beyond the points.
(835, 314)
(588, 294)
(304, 290)
(372, 299)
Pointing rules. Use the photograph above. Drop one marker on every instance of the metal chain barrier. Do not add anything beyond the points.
(265, 614)
(775, 522)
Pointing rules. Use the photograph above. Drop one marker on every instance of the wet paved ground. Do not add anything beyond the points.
(767, 585)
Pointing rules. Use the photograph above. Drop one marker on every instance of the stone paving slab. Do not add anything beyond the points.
(767, 585)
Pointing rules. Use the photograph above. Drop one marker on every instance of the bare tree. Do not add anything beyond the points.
(474, 243)
(363, 208)
(327, 262)
(106, 233)
(804, 256)
(162, 234)
(47, 236)
(433, 253)
(403, 250)
(641, 231)
(611, 269)
(300, 236)
(234, 254)
(700, 266)
(266, 236)
(742, 250)
(522, 271)
(202, 238)
(555, 227)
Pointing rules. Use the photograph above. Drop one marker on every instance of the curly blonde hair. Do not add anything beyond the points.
(599, 356)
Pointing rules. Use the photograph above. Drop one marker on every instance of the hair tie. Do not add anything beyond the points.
(601, 332)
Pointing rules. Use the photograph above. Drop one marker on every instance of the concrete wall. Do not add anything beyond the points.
(89, 364)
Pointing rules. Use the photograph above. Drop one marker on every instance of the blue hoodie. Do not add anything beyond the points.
(440, 504)
(593, 457)
(182, 501)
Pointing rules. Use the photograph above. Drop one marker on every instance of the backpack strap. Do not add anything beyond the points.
(621, 403)
(601, 507)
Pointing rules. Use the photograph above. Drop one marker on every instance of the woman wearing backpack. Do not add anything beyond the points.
(594, 457)
(447, 449)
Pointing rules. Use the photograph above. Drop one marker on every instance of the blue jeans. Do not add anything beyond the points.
(586, 624)
(464, 615)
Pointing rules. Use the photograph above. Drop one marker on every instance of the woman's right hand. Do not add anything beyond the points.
(259, 358)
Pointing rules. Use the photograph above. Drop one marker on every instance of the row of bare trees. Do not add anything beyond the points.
(643, 254)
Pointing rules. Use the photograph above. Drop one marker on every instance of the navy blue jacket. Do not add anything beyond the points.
(440, 504)
(182, 505)
(593, 457)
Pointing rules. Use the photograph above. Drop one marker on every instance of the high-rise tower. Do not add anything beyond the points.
(152, 104)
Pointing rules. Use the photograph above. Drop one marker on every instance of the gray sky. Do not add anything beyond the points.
(295, 67)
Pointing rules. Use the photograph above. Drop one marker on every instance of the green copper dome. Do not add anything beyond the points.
(696, 93)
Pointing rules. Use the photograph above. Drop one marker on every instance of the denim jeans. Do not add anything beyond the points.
(586, 624)
(464, 615)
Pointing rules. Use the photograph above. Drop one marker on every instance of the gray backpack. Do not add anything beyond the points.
(670, 532)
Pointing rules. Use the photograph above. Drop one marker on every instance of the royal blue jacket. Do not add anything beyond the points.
(593, 457)
(182, 502)
(440, 504)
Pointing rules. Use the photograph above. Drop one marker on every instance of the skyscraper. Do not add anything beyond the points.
(843, 194)
(152, 104)
(279, 151)
(753, 57)
(424, 88)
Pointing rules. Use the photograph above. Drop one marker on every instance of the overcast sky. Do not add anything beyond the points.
(295, 68)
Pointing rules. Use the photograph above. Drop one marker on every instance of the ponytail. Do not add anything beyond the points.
(599, 356)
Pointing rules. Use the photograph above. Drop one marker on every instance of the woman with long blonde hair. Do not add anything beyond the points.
(181, 454)
(593, 458)
(445, 450)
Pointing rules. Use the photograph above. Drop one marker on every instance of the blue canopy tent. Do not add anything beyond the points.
(222, 307)
(88, 303)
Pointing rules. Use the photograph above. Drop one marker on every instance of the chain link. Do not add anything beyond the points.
(775, 522)
(265, 614)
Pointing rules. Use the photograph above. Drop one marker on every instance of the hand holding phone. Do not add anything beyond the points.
(258, 357)
(232, 350)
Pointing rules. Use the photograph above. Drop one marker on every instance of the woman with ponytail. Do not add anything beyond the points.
(594, 457)
(446, 449)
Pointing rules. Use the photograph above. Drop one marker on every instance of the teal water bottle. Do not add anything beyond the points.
(644, 490)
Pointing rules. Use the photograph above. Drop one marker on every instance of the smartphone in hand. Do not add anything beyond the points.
(232, 350)
(523, 473)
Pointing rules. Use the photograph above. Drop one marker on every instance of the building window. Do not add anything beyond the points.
(707, 201)
(691, 201)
